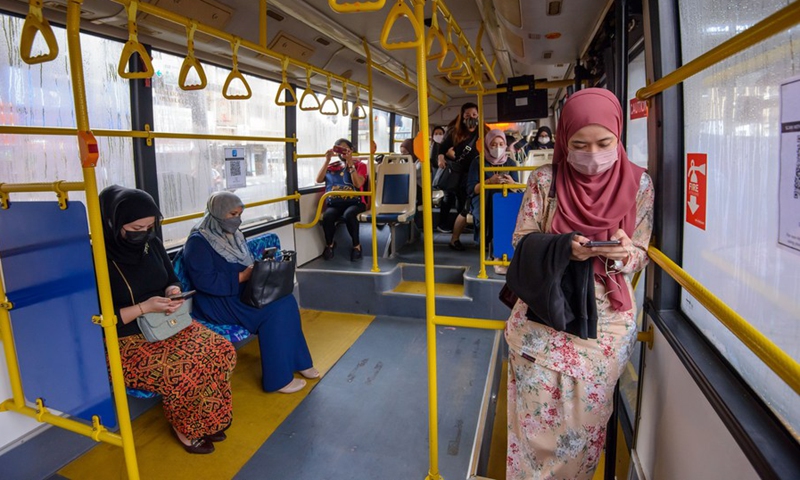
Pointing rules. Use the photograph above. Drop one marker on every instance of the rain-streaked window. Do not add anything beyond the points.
(316, 133)
(381, 126)
(41, 96)
(403, 127)
(189, 170)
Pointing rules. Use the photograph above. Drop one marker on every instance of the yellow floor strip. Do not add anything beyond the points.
(441, 289)
(256, 414)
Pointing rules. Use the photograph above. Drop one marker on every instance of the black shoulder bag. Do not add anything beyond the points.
(449, 177)
(272, 279)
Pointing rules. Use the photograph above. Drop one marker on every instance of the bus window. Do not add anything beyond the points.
(315, 135)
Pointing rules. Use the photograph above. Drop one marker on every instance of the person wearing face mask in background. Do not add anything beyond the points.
(458, 150)
(591, 191)
(218, 264)
(496, 154)
(191, 370)
(437, 137)
(543, 140)
(346, 174)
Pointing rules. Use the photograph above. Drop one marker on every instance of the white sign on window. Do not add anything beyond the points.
(235, 168)
(789, 182)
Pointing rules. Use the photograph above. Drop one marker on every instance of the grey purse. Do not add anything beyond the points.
(160, 326)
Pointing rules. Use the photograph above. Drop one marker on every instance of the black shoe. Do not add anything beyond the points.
(327, 254)
(355, 254)
(199, 446)
(216, 437)
(457, 246)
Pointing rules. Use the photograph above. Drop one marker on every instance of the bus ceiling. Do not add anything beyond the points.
(542, 38)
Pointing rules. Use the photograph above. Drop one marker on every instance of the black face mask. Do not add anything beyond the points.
(471, 122)
(139, 237)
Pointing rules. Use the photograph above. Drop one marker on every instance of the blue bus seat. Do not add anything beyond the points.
(396, 194)
(50, 280)
(504, 220)
(233, 333)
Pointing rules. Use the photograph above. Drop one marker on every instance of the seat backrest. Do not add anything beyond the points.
(536, 158)
(396, 190)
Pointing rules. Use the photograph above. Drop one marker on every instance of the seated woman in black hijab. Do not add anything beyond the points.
(191, 369)
(218, 264)
(543, 139)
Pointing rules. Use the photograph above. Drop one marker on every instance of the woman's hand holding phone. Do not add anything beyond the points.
(583, 248)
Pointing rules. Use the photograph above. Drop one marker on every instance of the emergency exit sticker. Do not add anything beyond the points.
(696, 189)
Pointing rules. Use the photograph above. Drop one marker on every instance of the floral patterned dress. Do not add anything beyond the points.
(560, 387)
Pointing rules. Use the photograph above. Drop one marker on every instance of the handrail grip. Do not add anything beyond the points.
(190, 216)
(776, 359)
(772, 25)
(400, 9)
(355, 7)
(191, 61)
(324, 196)
(133, 46)
(35, 22)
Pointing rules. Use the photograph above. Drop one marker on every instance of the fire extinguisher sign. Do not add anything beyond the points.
(696, 164)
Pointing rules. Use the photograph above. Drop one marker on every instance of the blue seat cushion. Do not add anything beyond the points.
(385, 217)
(395, 189)
(234, 333)
(132, 392)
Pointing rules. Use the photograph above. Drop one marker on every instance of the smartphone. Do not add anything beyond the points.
(602, 243)
(182, 295)
(339, 150)
(269, 253)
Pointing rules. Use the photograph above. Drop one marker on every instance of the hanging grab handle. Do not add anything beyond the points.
(356, 7)
(357, 107)
(329, 98)
(458, 60)
(36, 23)
(308, 91)
(236, 74)
(400, 9)
(435, 33)
(133, 46)
(285, 87)
(345, 108)
(191, 62)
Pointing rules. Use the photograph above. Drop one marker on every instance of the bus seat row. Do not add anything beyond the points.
(233, 333)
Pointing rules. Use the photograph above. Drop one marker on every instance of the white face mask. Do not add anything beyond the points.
(592, 163)
(438, 138)
(498, 152)
(544, 139)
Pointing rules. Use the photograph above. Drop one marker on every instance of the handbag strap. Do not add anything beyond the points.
(133, 302)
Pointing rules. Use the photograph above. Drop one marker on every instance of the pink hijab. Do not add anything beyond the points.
(597, 205)
(487, 152)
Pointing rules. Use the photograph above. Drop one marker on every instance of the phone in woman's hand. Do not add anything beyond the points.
(602, 243)
(182, 295)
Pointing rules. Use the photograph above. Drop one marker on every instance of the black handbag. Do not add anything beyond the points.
(272, 279)
(446, 178)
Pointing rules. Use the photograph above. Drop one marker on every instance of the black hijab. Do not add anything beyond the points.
(120, 206)
(543, 146)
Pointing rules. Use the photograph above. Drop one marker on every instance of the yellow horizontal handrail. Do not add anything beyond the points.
(776, 359)
(14, 129)
(538, 84)
(776, 23)
(191, 216)
(469, 322)
(42, 187)
(324, 196)
(66, 423)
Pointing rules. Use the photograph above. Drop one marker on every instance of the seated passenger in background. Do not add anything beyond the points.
(218, 264)
(495, 155)
(344, 174)
(191, 370)
(543, 139)
(407, 148)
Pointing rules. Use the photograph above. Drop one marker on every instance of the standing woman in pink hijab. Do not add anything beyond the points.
(561, 386)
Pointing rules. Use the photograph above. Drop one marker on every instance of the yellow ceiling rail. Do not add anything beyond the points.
(36, 23)
(236, 74)
(191, 62)
(192, 216)
(309, 91)
(329, 98)
(222, 35)
(482, 57)
(779, 21)
(133, 46)
(539, 84)
(285, 87)
(776, 359)
(356, 7)
(400, 9)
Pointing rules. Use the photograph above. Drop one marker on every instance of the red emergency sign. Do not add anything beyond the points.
(696, 164)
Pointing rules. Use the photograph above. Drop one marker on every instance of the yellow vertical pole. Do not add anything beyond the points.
(427, 219)
(98, 243)
(10, 349)
(372, 185)
(262, 16)
(481, 174)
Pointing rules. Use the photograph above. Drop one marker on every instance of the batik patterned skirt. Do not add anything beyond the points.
(560, 393)
(191, 371)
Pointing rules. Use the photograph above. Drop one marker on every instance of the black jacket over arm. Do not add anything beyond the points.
(559, 292)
